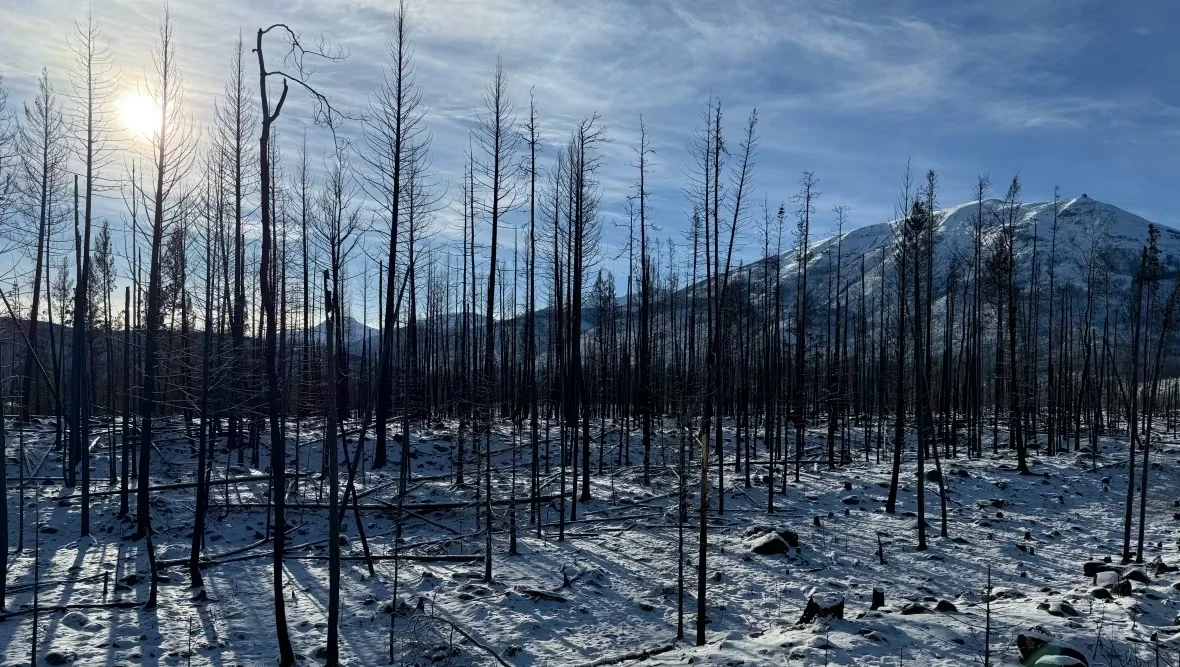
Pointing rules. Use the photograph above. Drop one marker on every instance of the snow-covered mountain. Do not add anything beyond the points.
(1086, 228)
(355, 332)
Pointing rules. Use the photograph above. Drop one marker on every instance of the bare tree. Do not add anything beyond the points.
(94, 81)
(327, 115)
(392, 128)
(235, 120)
(43, 152)
(497, 173)
(171, 148)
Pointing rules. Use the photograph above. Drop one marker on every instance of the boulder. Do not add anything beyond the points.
(850, 500)
(1035, 647)
(1062, 609)
(945, 606)
(769, 545)
(75, 620)
(1136, 574)
(60, 657)
(1091, 568)
(829, 605)
(1107, 579)
(1158, 567)
(913, 608)
(1100, 593)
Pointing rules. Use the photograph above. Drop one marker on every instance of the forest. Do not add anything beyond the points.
(262, 405)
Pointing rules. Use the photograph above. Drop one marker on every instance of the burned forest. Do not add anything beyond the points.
(310, 355)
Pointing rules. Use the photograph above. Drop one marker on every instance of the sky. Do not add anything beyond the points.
(1080, 94)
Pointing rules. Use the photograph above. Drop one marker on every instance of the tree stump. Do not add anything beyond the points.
(878, 599)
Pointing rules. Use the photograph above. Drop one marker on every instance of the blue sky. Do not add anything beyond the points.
(1081, 94)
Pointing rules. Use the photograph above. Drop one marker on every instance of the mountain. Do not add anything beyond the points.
(1086, 227)
(354, 332)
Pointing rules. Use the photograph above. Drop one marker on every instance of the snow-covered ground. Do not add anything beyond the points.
(1034, 532)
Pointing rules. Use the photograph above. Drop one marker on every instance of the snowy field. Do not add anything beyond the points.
(619, 559)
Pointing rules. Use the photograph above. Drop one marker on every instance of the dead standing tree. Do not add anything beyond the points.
(393, 128)
(324, 114)
(93, 81)
(498, 140)
(172, 152)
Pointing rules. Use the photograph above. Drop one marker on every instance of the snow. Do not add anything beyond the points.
(1085, 225)
(620, 560)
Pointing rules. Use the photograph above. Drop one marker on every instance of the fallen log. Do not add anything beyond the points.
(123, 604)
(642, 654)
(173, 487)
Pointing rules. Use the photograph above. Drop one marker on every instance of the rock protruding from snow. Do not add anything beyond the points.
(1036, 647)
(913, 608)
(1059, 608)
(60, 657)
(1091, 568)
(766, 542)
(1136, 574)
(823, 605)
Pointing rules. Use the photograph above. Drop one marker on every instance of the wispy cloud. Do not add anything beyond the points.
(848, 89)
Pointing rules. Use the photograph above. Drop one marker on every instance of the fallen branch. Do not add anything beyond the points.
(634, 655)
(125, 604)
(471, 639)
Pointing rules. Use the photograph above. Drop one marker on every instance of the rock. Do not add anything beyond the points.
(913, 608)
(933, 476)
(819, 642)
(945, 606)
(1091, 568)
(60, 657)
(1136, 574)
(850, 500)
(1158, 567)
(1062, 609)
(1107, 579)
(1100, 593)
(826, 606)
(756, 529)
(770, 545)
(1004, 594)
(1123, 588)
(75, 620)
(1035, 646)
(789, 536)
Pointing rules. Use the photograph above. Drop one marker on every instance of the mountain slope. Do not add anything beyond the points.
(1086, 227)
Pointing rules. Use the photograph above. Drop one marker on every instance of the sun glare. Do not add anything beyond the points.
(139, 114)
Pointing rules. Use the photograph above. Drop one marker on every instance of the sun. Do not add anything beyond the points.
(139, 114)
